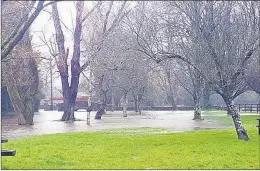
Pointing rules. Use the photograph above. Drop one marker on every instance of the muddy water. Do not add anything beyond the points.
(47, 122)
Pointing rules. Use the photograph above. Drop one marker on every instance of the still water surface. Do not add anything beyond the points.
(47, 122)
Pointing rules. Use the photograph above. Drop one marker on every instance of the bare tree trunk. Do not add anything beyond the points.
(102, 107)
(66, 97)
(74, 86)
(197, 110)
(228, 101)
(88, 118)
(170, 93)
(22, 108)
(69, 91)
(138, 98)
(51, 77)
(136, 106)
(206, 98)
(22, 104)
(113, 102)
(124, 105)
(241, 132)
(173, 104)
(67, 110)
(100, 111)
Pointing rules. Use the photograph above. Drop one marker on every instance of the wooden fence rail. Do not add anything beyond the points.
(249, 107)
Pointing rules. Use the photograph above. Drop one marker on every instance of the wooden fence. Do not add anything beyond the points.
(249, 108)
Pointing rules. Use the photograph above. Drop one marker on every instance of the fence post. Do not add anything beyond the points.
(257, 108)
(250, 107)
(245, 107)
(239, 107)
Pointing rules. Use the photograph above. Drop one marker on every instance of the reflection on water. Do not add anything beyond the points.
(47, 122)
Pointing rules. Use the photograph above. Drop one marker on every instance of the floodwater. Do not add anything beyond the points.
(47, 122)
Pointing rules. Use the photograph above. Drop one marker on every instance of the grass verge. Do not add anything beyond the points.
(211, 149)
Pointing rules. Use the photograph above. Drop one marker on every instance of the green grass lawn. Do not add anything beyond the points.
(210, 149)
(224, 112)
(247, 120)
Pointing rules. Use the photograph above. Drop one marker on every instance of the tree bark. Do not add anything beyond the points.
(102, 107)
(197, 110)
(136, 108)
(51, 83)
(170, 92)
(241, 131)
(100, 111)
(124, 105)
(206, 98)
(66, 95)
(112, 101)
(138, 96)
(229, 101)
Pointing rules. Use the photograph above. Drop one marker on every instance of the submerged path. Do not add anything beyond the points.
(46, 122)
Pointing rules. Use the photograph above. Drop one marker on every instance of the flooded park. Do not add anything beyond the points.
(47, 122)
(154, 85)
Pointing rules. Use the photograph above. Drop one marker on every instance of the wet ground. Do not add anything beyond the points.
(47, 122)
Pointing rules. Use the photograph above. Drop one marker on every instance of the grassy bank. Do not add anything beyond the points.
(247, 119)
(211, 149)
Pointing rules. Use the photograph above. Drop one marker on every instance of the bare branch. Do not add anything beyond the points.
(20, 30)
(91, 11)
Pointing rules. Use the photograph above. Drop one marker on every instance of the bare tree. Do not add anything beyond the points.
(226, 54)
(213, 25)
(70, 89)
(194, 84)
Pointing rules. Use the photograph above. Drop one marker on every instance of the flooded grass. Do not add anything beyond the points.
(145, 130)
(248, 120)
(224, 112)
(210, 149)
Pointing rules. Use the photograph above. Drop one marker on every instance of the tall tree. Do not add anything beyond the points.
(227, 53)
(70, 89)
